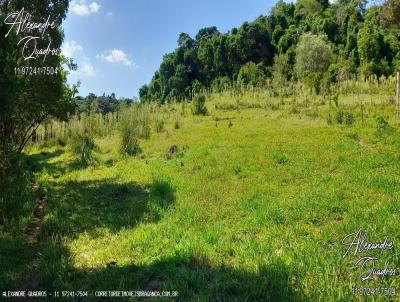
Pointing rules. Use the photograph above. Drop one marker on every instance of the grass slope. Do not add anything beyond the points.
(253, 210)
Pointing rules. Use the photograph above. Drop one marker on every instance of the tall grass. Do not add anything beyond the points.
(81, 136)
(349, 102)
(134, 124)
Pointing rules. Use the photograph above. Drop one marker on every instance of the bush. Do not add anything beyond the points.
(81, 138)
(349, 118)
(381, 123)
(134, 124)
(345, 117)
(199, 105)
(130, 140)
(85, 150)
(251, 74)
(13, 187)
(339, 117)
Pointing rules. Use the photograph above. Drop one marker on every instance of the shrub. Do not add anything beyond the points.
(199, 105)
(85, 150)
(81, 138)
(349, 118)
(339, 117)
(13, 187)
(130, 141)
(134, 124)
(381, 123)
(251, 74)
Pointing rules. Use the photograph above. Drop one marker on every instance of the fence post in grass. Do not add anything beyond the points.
(398, 97)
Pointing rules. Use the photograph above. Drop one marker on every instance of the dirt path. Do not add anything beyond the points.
(30, 281)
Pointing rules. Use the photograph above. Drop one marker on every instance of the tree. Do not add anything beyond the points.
(185, 41)
(313, 57)
(207, 33)
(391, 13)
(250, 74)
(313, 54)
(27, 101)
(282, 70)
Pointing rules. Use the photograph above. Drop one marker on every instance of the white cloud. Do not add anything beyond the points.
(109, 14)
(87, 69)
(116, 56)
(94, 7)
(83, 9)
(68, 49)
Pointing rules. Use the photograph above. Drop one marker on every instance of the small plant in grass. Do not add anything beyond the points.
(349, 118)
(177, 124)
(237, 169)
(280, 158)
(329, 119)
(294, 109)
(277, 214)
(199, 105)
(381, 124)
(335, 99)
(339, 117)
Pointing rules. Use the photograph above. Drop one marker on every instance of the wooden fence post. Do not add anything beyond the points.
(398, 97)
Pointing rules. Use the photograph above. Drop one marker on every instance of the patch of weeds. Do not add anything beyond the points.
(349, 118)
(280, 158)
(162, 195)
(177, 124)
(274, 107)
(335, 99)
(199, 105)
(312, 113)
(294, 109)
(329, 119)
(344, 117)
(276, 214)
(339, 117)
(237, 169)
(130, 142)
(353, 136)
(382, 124)
(162, 192)
(160, 125)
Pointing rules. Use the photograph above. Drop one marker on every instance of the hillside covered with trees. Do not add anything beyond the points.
(314, 41)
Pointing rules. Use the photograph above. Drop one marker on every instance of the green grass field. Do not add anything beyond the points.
(252, 209)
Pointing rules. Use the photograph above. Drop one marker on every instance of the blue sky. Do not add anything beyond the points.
(119, 44)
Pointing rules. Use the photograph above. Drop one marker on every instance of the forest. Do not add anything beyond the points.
(313, 41)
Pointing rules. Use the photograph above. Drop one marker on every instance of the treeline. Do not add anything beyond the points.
(310, 40)
(103, 104)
